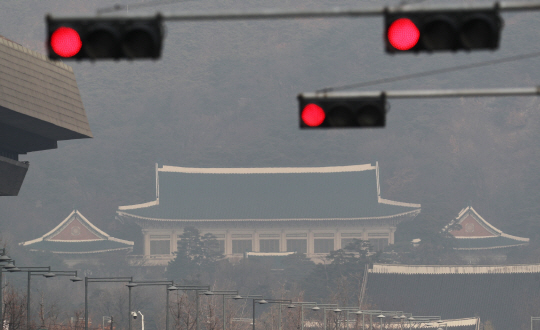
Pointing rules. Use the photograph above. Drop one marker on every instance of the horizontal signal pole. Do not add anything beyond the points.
(319, 13)
(412, 94)
(338, 12)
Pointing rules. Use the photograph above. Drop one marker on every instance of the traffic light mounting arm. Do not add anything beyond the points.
(320, 13)
(408, 94)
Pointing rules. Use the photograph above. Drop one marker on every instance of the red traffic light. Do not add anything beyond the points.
(323, 111)
(442, 30)
(105, 38)
(65, 42)
(403, 34)
(313, 115)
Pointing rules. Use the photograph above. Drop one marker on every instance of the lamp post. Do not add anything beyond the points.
(170, 287)
(4, 260)
(223, 293)
(279, 315)
(327, 307)
(269, 301)
(238, 297)
(195, 288)
(302, 304)
(44, 271)
(103, 279)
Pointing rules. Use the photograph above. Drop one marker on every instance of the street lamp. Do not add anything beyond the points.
(103, 279)
(196, 288)
(4, 262)
(170, 287)
(269, 301)
(302, 304)
(381, 317)
(44, 271)
(223, 293)
(325, 307)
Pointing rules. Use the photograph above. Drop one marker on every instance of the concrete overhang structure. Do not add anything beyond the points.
(40, 104)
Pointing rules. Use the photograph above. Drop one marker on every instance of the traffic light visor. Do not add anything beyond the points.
(65, 42)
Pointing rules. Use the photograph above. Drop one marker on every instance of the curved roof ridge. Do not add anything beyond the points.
(390, 202)
(457, 269)
(138, 206)
(264, 219)
(103, 236)
(517, 238)
(262, 170)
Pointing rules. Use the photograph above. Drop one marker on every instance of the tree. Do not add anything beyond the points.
(196, 254)
(341, 279)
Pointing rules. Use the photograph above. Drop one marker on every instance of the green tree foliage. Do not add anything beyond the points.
(196, 254)
(341, 279)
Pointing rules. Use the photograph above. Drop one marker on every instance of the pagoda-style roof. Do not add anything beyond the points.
(478, 234)
(76, 235)
(261, 194)
(505, 295)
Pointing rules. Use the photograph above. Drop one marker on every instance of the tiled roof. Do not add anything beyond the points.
(43, 92)
(478, 234)
(76, 234)
(488, 243)
(307, 193)
(79, 247)
(507, 299)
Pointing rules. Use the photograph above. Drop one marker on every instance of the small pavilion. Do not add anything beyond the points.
(76, 239)
(477, 238)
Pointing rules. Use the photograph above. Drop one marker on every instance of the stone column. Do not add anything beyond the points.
(310, 244)
(146, 243)
(228, 243)
(255, 242)
(283, 242)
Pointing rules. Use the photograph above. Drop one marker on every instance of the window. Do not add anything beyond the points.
(160, 247)
(324, 245)
(378, 243)
(297, 245)
(269, 245)
(241, 246)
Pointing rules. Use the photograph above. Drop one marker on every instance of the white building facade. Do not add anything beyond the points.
(311, 210)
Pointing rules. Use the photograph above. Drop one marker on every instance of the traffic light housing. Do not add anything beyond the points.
(442, 30)
(342, 112)
(102, 38)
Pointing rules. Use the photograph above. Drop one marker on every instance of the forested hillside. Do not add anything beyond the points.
(224, 95)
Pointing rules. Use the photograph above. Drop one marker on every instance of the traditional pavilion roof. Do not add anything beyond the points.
(478, 234)
(259, 194)
(77, 235)
(505, 295)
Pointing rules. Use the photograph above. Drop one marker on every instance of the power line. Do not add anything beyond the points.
(431, 72)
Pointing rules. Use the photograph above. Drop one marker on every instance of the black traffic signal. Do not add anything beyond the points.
(342, 112)
(102, 38)
(443, 30)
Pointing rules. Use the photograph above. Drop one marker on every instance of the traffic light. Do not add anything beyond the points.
(442, 30)
(101, 38)
(342, 112)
